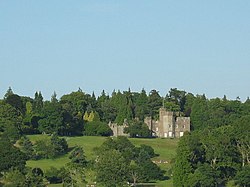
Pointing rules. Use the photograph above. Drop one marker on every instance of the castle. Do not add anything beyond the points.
(169, 125)
(118, 130)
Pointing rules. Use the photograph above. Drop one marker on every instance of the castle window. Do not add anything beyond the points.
(156, 129)
(165, 134)
(170, 134)
(181, 134)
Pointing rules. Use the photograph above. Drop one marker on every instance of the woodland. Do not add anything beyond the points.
(215, 153)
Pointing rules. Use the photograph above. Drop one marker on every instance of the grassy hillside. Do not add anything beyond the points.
(166, 148)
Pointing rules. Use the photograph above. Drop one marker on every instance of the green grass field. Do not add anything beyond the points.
(166, 148)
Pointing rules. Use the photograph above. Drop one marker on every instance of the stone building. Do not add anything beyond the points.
(118, 130)
(169, 125)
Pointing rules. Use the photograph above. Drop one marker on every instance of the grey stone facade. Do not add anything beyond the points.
(118, 130)
(169, 125)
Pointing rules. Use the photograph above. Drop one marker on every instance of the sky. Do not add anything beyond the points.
(199, 46)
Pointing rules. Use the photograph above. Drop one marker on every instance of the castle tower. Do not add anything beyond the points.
(171, 125)
(166, 123)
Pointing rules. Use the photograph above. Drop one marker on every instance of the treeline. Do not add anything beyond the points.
(215, 152)
(73, 113)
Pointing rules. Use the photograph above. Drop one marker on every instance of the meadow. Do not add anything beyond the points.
(165, 148)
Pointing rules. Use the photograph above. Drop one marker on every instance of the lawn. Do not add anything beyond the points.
(166, 148)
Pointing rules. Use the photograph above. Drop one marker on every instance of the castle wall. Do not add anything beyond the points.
(169, 125)
(117, 129)
(182, 125)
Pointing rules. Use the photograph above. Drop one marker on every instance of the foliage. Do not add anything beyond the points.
(204, 175)
(10, 121)
(137, 129)
(14, 178)
(154, 103)
(50, 148)
(28, 177)
(34, 178)
(243, 177)
(97, 128)
(119, 156)
(27, 147)
(10, 156)
(164, 148)
(211, 157)
(53, 175)
(218, 147)
(111, 169)
(78, 157)
(16, 101)
(38, 102)
(52, 118)
(93, 116)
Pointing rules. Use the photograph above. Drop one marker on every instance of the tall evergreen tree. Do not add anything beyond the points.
(8, 93)
(38, 102)
(154, 103)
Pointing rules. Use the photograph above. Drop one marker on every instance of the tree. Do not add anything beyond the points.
(76, 102)
(111, 169)
(241, 131)
(137, 129)
(34, 178)
(134, 173)
(97, 128)
(188, 104)
(139, 166)
(105, 108)
(38, 102)
(14, 178)
(76, 168)
(147, 170)
(125, 147)
(8, 93)
(154, 103)
(182, 166)
(199, 113)
(10, 156)
(141, 107)
(10, 121)
(123, 103)
(205, 176)
(16, 101)
(149, 150)
(27, 147)
(243, 177)
(177, 97)
(52, 119)
(59, 145)
(78, 157)
(53, 98)
(53, 175)
(50, 147)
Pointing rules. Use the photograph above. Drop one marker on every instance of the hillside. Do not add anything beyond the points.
(166, 148)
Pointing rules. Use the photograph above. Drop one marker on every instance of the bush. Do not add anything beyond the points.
(50, 148)
(53, 175)
(97, 128)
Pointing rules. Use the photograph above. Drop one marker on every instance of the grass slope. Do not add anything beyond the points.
(166, 148)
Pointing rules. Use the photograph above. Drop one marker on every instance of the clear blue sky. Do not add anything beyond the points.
(198, 46)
